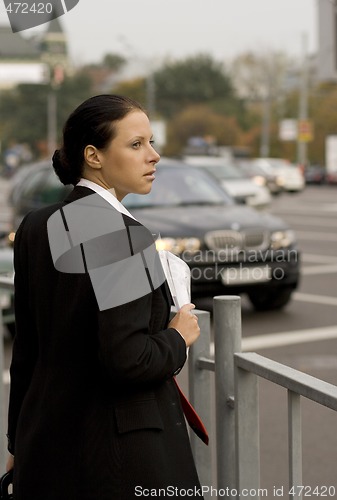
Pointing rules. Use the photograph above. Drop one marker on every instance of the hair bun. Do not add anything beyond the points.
(61, 167)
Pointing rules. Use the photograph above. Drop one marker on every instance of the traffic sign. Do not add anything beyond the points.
(305, 131)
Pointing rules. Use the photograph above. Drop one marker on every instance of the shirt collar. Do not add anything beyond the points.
(106, 194)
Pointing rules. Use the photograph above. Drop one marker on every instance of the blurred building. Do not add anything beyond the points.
(327, 40)
(38, 58)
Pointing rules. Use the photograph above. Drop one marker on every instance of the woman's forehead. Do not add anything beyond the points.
(135, 123)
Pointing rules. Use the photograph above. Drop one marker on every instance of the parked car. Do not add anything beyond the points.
(235, 182)
(290, 176)
(260, 177)
(331, 177)
(314, 174)
(34, 186)
(229, 248)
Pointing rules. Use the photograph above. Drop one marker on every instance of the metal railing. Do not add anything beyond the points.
(237, 404)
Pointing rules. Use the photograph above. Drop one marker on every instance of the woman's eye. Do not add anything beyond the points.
(136, 144)
(152, 142)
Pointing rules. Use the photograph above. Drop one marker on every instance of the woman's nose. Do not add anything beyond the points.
(156, 156)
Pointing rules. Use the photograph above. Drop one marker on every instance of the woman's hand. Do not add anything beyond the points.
(10, 463)
(186, 323)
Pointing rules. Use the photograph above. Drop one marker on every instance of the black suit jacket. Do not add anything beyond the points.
(93, 413)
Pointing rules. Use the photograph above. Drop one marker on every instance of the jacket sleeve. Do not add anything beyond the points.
(130, 352)
(24, 352)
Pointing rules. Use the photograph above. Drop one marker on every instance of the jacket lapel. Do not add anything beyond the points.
(80, 192)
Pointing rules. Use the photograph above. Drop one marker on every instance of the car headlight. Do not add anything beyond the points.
(5, 300)
(178, 245)
(11, 237)
(259, 180)
(280, 181)
(282, 239)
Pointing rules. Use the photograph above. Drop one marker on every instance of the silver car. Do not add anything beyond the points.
(238, 185)
(290, 176)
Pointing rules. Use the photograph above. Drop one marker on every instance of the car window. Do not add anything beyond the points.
(225, 171)
(39, 188)
(30, 185)
(52, 190)
(180, 186)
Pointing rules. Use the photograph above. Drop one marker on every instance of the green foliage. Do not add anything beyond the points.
(195, 80)
(113, 61)
(200, 121)
(136, 89)
(24, 114)
(323, 103)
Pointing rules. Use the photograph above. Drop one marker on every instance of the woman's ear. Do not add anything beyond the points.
(91, 157)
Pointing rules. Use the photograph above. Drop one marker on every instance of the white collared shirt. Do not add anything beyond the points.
(106, 194)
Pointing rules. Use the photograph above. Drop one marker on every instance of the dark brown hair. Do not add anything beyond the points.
(92, 122)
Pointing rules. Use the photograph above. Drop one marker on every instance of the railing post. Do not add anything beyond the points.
(294, 444)
(227, 341)
(200, 396)
(247, 431)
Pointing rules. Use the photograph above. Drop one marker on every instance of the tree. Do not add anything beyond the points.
(135, 88)
(264, 80)
(195, 80)
(200, 121)
(323, 101)
(23, 110)
(114, 62)
(255, 76)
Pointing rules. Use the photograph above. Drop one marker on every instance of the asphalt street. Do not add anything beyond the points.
(304, 336)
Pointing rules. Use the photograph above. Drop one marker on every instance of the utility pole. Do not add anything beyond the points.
(303, 103)
(56, 78)
(265, 136)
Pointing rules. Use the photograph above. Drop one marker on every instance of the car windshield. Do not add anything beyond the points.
(179, 187)
(226, 171)
(275, 164)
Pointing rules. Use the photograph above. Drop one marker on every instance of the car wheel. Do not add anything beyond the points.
(269, 299)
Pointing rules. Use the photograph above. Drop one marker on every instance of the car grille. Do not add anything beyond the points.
(235, 240)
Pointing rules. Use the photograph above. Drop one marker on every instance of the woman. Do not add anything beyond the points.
(94, 412)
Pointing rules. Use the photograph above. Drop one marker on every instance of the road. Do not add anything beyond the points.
(313, 214)
(303, 336)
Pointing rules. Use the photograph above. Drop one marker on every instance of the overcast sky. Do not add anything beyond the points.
(178, 28)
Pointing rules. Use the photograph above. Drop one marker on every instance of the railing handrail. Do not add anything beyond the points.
(237, 439)
(294, 380)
